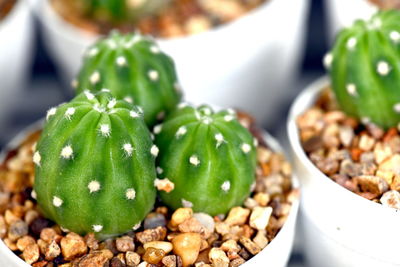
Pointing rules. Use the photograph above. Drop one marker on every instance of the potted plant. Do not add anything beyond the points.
(240, 70)
(344, 139)
(81, 190)
(15, 56)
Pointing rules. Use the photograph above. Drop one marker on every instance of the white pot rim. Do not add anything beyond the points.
(271, 141)
(308, 95)
(71, 30)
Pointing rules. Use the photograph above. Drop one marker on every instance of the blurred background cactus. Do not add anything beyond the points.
(133, 68)
(365, 69)
(210, 157)
(95, 159)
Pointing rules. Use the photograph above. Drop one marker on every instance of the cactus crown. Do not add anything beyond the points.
(133, 68)
(95, 165)
(114, 11)
(210, 157)
(364, 66)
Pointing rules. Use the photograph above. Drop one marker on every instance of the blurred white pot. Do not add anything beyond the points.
(276, 254)
(340, 228)
(16, 31)
(249, 63)
(342, 13)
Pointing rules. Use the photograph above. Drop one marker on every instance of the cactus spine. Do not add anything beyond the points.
(210, 157)
(95, 166)
(133, 68)
(364, 66)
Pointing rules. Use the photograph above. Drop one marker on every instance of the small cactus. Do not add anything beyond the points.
(209, 157)
(364, 66)
(95, 166)
(116, 11)
(134, 69)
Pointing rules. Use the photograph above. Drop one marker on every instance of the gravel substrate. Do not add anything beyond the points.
(183, 17)
(164, 238)
(5, 7)
(360, 157)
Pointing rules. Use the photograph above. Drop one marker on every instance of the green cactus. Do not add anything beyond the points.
(364, 66)
(95, 166)
(209, 157)
(133, 68)
(116, 11)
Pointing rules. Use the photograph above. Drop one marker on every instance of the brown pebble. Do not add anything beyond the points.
(149, 235)
(49, 234)
(93, 259)
(169, 261)
(3, 227)
(125, 243)
(252, 247)
(91, 241)
(52, 250)
(237, 262)
(218, 258)
(132, 258)
(153, 255)
(391, 199)
(73, 245)
(372, 184)
(237, 216)
(17, 229)
(187, 246)
(25, 241)
(115, 262)
(31, 253)
(180, 215)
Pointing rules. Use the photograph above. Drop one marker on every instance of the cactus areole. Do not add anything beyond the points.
(134, 68)
(210, 157)
(365, 69)
(94, 168)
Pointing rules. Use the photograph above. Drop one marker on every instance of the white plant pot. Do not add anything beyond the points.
(342, 13)
(341, 229)
(276, 254)
(249, 63)
(16, 31)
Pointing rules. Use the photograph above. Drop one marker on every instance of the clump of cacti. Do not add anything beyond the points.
(209, 157)
(95, 165)
(133, 68)
(364, 66)
(115, 11)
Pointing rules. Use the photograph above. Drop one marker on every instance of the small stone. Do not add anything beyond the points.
(187, 246)
(259, 217)
(180, 215)
(116, 262)
(154, 220)
(91, 241)
(366, 143)
(263, 154)
(391, 199)
(31, 253)
(222, 228)
(30, 216)
(192, 225)
(10, 244)
(49, 234)
(132, 259)
(42, 246)
(375, 131)
(395, 184)
(25, 241)
(218, 257)
(169, 261)
(17, 230)
(261, 239)
(349, 168)
(52, 251)
(252, 247)
(237, 216)
(148, 235)
(73, 245)
(153, 255)
(312, 144)
(382, 152)
(125, 243)
(372, 184)
(10, 217)
(237, 262)
(206, 220)
(3, 227)
(38, 225)
(387, 175)
(250, 203)
(165, 246)
(262, 198)
(230, 246)
(391, 164)
(94, 259)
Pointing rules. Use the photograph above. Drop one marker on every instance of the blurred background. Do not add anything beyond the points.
(46, 87)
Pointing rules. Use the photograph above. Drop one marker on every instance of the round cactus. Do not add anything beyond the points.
(115, 11)
(95, 165)
(134, 69)
(364, 66)
(209, 157)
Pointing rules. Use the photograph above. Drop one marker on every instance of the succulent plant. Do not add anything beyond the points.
(364, 66)
(134, 69)
(209, 157)
(95, 165)
(115, 11)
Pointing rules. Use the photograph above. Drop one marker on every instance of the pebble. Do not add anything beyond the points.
(17, 229)
(346, 135)
(3, 227)
(391, 199)
(116, 262)
(31, 253)
(218, 258)
(237, 262)
(381, 152)
(187, 246)
(206, 220)
(73, 245)
(52, 251)
(180, 215)
(49, 234)
(169, 261)
(132, 259)
(237, 216)
(252, 247)
(192, 225)
(25, 241)
(165, 246)
(149, 235)
(261, 239)
(259, 217)
(153, 255)
(262, 198)
(395, 184)
(366, 143)
(154, 220)
(372, 184)
(95, 259)
(230, 246)
(125, 243)
(38, 225)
